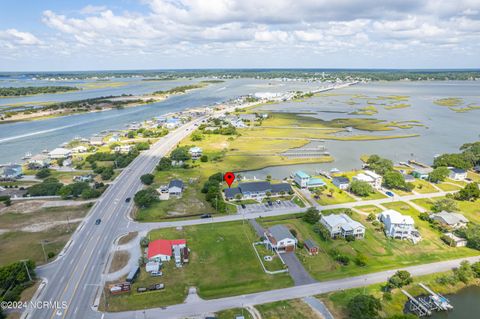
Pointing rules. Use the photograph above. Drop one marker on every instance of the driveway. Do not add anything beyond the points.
(296, 270)
(264, 207)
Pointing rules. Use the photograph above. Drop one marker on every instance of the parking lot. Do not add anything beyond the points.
(265, 207)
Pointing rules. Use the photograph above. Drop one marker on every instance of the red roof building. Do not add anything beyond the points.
(162, 248)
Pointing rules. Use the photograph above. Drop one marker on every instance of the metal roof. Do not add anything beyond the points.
(175, 183)
(280, 232)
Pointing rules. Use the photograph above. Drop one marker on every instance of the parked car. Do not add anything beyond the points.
(156, 287)
(278, 201)
(270, 203)
(243, 206)
(98, 221)
(141, 289)
(206, 216)
(156, 273)
(390, 194)
(128, 199)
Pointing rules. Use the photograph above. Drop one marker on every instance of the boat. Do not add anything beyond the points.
(334, 170)
(27, 155)
(45, 151)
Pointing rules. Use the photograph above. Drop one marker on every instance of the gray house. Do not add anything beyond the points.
(341, 182)
(254, 190)
(280, 238)
(175, 187)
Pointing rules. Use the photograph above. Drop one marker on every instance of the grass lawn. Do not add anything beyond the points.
(275, 264)
(473, 176)
(337, 197)
(376, 195)
(471, 210)
(369, 209)
(459, 183)
(222, 263)
(298, 201)
(337, 301)
(288, 309)
(423, 187)
(447, 187)
(232, 313)
(17, 245)
(381, 252)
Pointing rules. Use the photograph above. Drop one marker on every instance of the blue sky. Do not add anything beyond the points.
(164, 34)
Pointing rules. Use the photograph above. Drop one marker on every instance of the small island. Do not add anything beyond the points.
(34, 90)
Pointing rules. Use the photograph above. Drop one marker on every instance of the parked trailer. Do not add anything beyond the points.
(120, 288)
(133, 274)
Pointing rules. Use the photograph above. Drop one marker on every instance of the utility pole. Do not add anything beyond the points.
(28, 271)
(68, 223)
(43, 248)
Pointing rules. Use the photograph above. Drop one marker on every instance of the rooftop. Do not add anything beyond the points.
(341, 219)
(280, 232)
(397, 218)
(302, 174)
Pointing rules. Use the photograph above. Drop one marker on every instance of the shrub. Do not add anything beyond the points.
(363, 307)
(311, 216)
(147, 179)
(145, 197)
(360, 188)
(400, 279)
(43, 173)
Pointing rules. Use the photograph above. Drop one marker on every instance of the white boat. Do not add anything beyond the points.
(27, 155)
(45, 151)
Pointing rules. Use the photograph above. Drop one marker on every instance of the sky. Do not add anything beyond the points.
(60, 35)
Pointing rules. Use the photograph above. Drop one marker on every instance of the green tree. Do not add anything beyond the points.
(147, 179)
(204, 158)
(394, 180)
(470, 192)
(380, 165)
(311, 216)
(444, 204)
(107, 173)
(472, 234)
(43, 173)
(180, 154)
(142, 146)
(465, 272)
(196, 136)
(360, 188)
(165, 164)
(399, 279)
(439, 174)
(145, 197)
(364, 307)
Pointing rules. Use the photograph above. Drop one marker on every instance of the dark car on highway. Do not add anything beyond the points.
(206, 216)
(128, 199)
(98, 221)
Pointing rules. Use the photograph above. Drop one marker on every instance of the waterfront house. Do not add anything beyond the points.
(341, 182)
(370, 177)
(311, 247)
(458, 174)
(39, 161)
(408, 178)
(303, 180)
(79, 149)
(453, 220)
(60, 153)
(114, 138)
(342, 225)
(280, 238)
(422, 172)
(12, 171)
(257, 190)
(399, 226)
(175, 187)
(172, 123)
(195, 152)
(96, 141)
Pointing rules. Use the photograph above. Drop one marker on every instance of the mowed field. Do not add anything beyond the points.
(381, 252)
(222, 263)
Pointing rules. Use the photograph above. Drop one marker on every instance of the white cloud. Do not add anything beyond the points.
(209, 29)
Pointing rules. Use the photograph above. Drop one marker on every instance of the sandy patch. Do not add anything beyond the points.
(39, 227)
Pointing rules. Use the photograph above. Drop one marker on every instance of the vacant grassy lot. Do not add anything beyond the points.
(423, 187)
(222, 263)
(25, 224)
(337, 301)
(447, 187)
(289, 309)
(333, 195)
(381, 253)
(369, 209)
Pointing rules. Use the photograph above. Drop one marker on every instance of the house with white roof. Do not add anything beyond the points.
(97, 141)
(60, 153)
(453, 220)
(79, 149)
(458, 174)
(124, 149)
(280, 238)
(195, 152)
(342, 225)
(39, 160)
(399, 226)
(370, 177)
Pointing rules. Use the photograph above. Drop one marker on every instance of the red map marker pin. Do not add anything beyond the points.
(229, 177)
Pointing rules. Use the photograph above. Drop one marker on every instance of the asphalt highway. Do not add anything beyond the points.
(76, 276)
